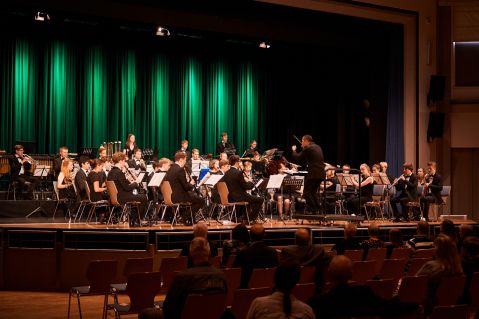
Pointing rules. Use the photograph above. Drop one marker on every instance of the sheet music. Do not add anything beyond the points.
(41, 171)
(149, 168)
(140, 177)
(156, 179)
(213, 179)
(345, 179)
(275, 181)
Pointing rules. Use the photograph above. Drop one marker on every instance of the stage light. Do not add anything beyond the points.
(162, 32)
(42, 16)
(264, 45)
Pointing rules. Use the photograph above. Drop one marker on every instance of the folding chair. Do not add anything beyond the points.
(125, 208)
(377, 203)
(166, 191)
(93, 205)
(132, 265)
(436, 209)
(226, 205)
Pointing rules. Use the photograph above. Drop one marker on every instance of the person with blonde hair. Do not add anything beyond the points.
(65, 186)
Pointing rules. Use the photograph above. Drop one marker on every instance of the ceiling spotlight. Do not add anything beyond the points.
(42, 16)
(264, 45)
(162, 32)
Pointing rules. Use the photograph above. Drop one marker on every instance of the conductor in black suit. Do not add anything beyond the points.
(80, 177)
(182, 190)
(313, 155)
(237, 187)
(406, 187)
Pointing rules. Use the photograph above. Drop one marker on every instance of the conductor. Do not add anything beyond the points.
(313, 155)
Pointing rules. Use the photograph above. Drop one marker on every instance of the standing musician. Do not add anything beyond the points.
(182, 190)
(124, 187)
(421, 176)
(184, 148)
(251, 149)
(137, 162)
(81, 177)
(237, 188)
(406, 191)
(65, 184)
(313, 155)
(432, 189)
(130, 146)
(20, 165)
(223, 144)
(57, 161)
(367, 185)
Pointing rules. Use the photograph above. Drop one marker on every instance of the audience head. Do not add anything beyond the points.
(465, 231)
(199, 250)
(349, 230)
(240, 233)
(302, 237)
(446, 253)
(151, 313)
(448, 228)
(373, 230)
(285, 279)
(340, 270)
(200, 230)
(470, 247)
(257, 232)
(422, 228)
(395, 237)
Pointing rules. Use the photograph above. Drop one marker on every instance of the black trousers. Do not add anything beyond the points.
(424, 202)
(403, 201)
(22, 180)
(310, 193)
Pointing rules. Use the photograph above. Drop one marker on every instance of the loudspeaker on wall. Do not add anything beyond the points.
(437, 85)
(435, 127)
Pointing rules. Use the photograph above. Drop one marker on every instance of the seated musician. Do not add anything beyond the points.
(65, 184)
(20, 166)
(355, 203)
(97, 187)
(249, 152)
(376, 168)
(384, 169)
(432, 189)
(237, 188)
(101, 152)
(195, 158)
(81, 176)
(421, 176)
(182, 190)
(137, 162)
(284, 196)
(330, 191)
(125, 188)
(57, 161)
(259, 165)
(160, 166)
(223, 156)
(406, 191)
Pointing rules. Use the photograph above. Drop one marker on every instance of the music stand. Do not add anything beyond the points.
(42, 172)
(382, 179)
(297, 183)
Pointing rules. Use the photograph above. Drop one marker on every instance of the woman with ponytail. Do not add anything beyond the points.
(281, 304)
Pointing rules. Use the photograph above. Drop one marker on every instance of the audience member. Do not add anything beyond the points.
(344, 300)
(421, 240)
(373, 241)
(257, 255)
(465, 230)
(231, 247)
(281, 304)
(448, 228)
(470, 264)
(395, 241)
(350, 242)
(199, 230)
(447, 263)
(201, 279)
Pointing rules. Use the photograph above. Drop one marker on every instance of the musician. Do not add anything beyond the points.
(432, 189)
(182, 190)
(57, 161)
(330, 191)
(281, 197)
(259, 165)
(237, 188)
(248, 171)
(348, 190)
(184, 149)
(195, 156)
(406, 191)
(65, 184)
(137, 162)
(376, 168)
(384, 169)
(223, 156)
(160, 166)
(313, 155)
(421, 180)
(98, 189)
(102, 152)
(106, 169)
(125, 188)
(251, 149)
(20, 165)
(367, 184)
(130, 146)
(223, 145)
(81, 177)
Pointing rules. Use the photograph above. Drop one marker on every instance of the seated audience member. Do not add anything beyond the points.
(201, 279)
(350, 242)
(465, 231)
(373, 241)
(395, 241)
(470, 264)
(281, 303)
(344, 300)
(447, 228)
(240, 240)
(307, 254)
(257, 255)
(446, 263)
(421, 240)
(199, 230)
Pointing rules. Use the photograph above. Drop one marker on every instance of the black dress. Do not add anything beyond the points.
(92, 178)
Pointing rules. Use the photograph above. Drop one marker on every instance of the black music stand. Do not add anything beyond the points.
(382, 179)
(345, 180)
(296, 183)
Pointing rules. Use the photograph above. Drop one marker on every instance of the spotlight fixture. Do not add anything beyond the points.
(162, 32)
(42, 16)
(264, 45)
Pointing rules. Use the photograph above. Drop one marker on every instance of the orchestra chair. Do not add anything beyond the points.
(363, 271)
(229, 207)
(413, 289)
(99, 274)
(94, 205)
(450, 289)
(243, 299)
(233, 279)
(401, 253)
(169, 266)
(12, 187)
(415, 264)
(141, 288)
(354, 255)
(204, 306)
(132, 265)
(435, 209)
(262, 277)
(304, 291)
(59, 201)
(383, 288)
(415, 204)
(81, 205)
(377, 204)
(166, 191)
(125, 209)
(448, 312)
